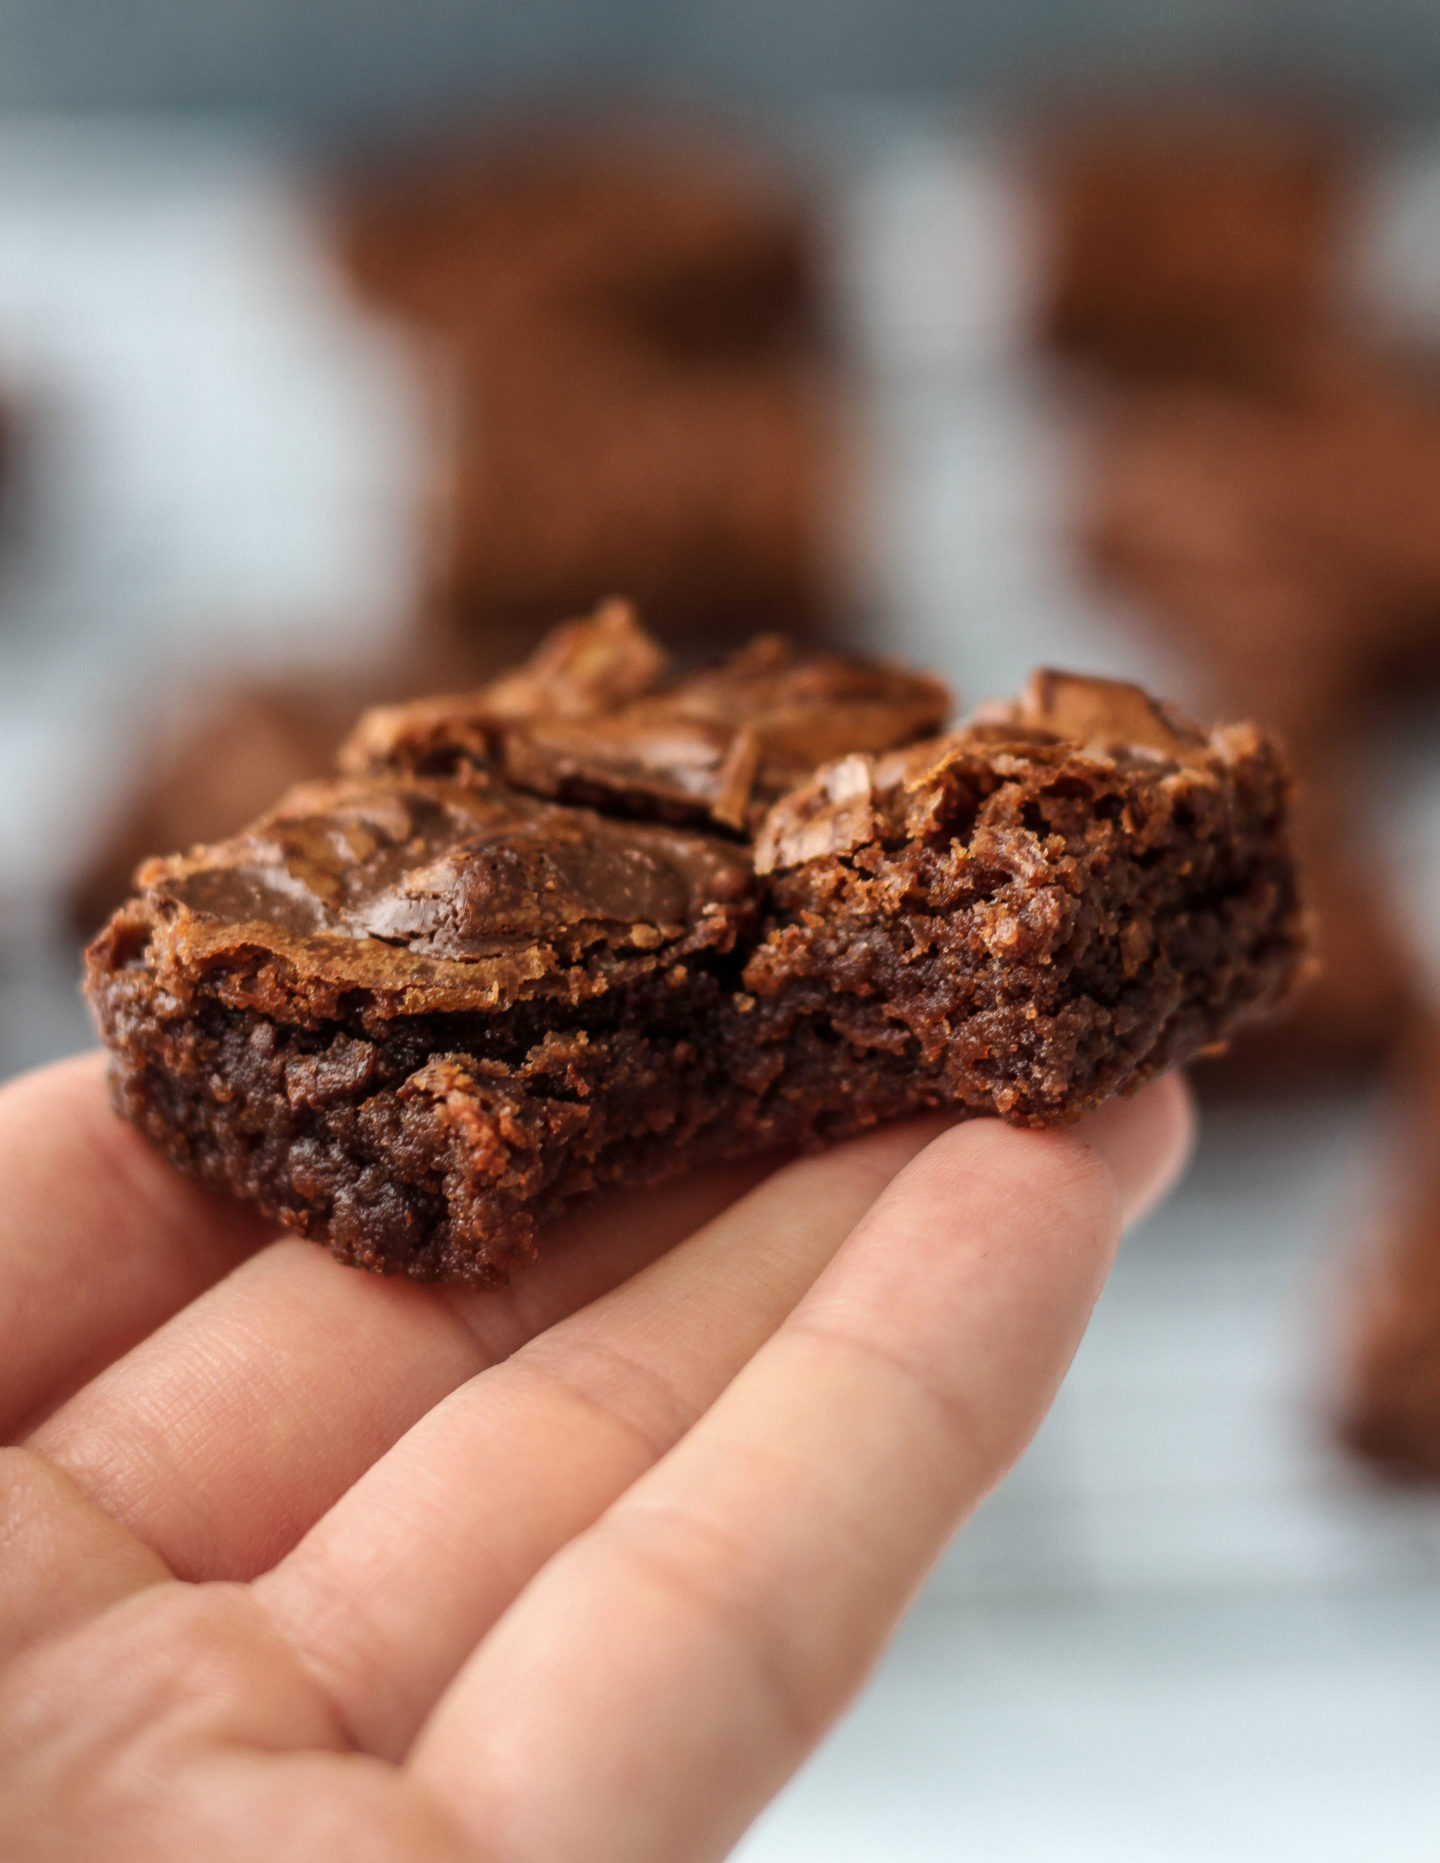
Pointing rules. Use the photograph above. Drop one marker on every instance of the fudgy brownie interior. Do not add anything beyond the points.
(597, 923)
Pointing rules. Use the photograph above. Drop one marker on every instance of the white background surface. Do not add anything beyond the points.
(1185, 1628)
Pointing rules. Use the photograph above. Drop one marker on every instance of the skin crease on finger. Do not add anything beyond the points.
(127, 1241)
(179, 1717)
(284, 1382)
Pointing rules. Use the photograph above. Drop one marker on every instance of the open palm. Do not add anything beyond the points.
(300, 1564)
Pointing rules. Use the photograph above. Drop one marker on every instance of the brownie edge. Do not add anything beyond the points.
(416, 1011)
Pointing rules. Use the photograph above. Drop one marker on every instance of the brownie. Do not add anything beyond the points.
(1288, 546)
(629, 382)
(210, 765)
(1391, 1406)
(1192, 241)
(224, 766)
(709, 493)
(658, 241)
(1359, 999)
(604, 921)
(1292, 538)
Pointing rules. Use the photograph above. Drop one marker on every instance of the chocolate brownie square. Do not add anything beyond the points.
(714, 494)
(1289, 546)
(1292, 538)
(629, 383)
(657, 241)
(601, 922)
(1391, 1406)
(1192, 241)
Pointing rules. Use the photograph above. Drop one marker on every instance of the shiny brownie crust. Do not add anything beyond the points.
(417, 1010)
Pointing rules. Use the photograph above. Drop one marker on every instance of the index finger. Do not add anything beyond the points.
(100, 1239)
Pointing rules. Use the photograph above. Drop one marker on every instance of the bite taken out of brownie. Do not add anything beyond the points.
(599, 922)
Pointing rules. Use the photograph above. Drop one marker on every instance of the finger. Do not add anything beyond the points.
(390, 1591)
(1146, 1141)
(64, 1559)
(662, 1675)
(220, 1439)
(100, 1241)
(392, 1588)
(179, 1726)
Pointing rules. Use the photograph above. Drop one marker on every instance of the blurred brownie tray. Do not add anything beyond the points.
(597, 923)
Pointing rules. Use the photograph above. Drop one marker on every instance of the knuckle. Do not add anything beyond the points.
(618, 1389)
(705, 1572)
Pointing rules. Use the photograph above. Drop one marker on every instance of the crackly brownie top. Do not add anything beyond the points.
(859, 799)
(597, 717)
(460, 866)
(435, 895)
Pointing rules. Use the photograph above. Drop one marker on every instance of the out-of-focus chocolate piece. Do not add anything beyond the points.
(634, 392)
(1192, 241)
(1391, 1402)
(659, 242)
(213, 778)
(1294, 540)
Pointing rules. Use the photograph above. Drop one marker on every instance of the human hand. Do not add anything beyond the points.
(300, 1564)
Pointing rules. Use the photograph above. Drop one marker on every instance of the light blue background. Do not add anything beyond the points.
(329, 57)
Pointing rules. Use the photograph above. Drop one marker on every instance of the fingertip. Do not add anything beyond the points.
(1145, 1141)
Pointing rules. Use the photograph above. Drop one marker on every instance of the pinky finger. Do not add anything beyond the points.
(662, 1677)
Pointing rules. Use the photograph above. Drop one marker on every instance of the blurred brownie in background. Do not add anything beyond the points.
(704, 491)
(1293, 539)
(1289, 546)
(225, 763)
(630, 383)
(677, 247)
(1391, 1406)
(1262, 490)
(1192, 240)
